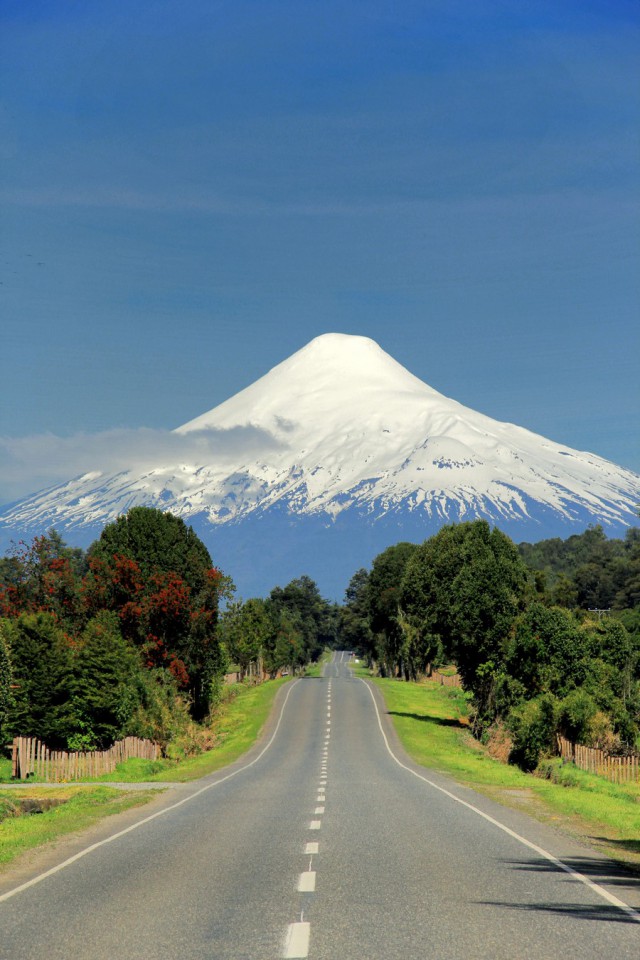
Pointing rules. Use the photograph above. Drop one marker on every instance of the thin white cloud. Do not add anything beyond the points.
(28, 464)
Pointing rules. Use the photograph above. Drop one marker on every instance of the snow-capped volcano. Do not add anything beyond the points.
(340, 431)
(352, 427)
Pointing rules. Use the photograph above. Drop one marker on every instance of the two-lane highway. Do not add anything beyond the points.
(325, 841)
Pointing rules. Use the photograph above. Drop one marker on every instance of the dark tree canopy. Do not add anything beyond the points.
(157, 541)
(354, 627)
(314, 616)
(42, 676)
(466, 586)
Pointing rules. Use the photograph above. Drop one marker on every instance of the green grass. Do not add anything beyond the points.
(82, 808)
(431, 723)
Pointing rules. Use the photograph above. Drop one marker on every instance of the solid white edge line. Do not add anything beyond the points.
(595, 887)
(297, 943)
(153, 816)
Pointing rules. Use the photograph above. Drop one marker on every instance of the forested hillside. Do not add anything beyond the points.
(588, 570)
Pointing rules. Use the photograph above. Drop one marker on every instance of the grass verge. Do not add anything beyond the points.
(81, 808)
(431, 722)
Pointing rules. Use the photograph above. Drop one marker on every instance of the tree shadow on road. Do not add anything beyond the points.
(600, 870)
(577, 910)
(426, 718)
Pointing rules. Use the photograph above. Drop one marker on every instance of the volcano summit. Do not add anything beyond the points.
(334, 454)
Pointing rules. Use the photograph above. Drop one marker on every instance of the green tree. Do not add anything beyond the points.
(316, 618)
(464, 587)
(354, 626)
(289, 648)
(246, 629)
(547, 651)
(106, 683)
(384, 594)
(6, 683)
(533, 727)
(43, 677)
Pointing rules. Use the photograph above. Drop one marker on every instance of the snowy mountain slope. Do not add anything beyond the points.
(340, 428)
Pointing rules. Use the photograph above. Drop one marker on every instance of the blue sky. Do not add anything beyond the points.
(192, 191)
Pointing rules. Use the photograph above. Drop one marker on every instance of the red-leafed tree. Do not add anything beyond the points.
(149, 569)
(157, 575)
(43, 577)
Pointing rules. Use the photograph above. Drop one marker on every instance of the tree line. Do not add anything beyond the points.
(128, 638)
(290, 628)
(545, 637)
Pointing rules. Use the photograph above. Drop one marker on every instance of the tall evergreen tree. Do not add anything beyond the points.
(6, 683)
(42, 670)
(105, 687)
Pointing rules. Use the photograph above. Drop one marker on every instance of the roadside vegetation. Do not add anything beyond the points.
(433, 724)
(138, 636)
(316, 669)
(76, 809)
(545, 638)
(234, 728)
(26, 823)
(130, 638)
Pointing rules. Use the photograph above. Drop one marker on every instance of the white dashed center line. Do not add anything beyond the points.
(307, 882)
(298, 934)
(297, 945)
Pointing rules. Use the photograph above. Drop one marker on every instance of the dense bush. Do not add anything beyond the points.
(533, 727)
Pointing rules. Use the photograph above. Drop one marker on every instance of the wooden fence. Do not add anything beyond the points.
(446, 679)
(618, 769)
(30, 757)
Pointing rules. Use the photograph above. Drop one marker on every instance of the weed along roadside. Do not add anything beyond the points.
(431, 722)
(32, 815)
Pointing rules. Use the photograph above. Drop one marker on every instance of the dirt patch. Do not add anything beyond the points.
(27, 806)
(521, 799)
(499, 745)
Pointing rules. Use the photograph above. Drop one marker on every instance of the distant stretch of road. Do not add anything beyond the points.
(326, 842)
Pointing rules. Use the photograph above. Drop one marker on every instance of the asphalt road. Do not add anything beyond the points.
(324, 841)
